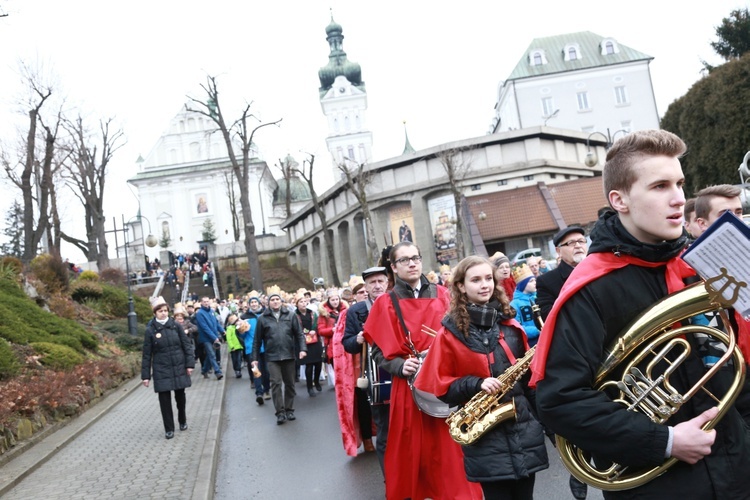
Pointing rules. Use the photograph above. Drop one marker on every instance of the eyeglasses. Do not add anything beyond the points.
(571, 243)
(405, 260)
(361, 291)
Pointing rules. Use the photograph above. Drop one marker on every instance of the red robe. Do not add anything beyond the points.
(346, 368)
(421, 459)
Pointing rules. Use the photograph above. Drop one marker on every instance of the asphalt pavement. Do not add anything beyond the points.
(233, 449)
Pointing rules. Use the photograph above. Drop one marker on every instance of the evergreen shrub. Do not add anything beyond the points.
(51, 271)
(9, 365)
(60, 357)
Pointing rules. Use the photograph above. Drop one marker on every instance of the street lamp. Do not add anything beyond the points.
(591, 159)
(149, 241)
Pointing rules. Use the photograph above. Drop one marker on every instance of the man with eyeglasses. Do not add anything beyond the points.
(571, 247)
(421, 459)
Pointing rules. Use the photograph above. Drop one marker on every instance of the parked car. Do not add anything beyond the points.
(523, 255)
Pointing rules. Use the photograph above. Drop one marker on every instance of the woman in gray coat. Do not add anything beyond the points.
(168, 355)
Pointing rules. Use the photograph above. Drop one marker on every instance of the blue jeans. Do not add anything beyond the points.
(208, 347)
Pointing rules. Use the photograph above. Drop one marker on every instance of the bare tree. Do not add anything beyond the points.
(286, 167)
(357, 180)
(33, 173)
(229, 183)
(85, 174)
(456, 167)
(307, 174)
(240, 129)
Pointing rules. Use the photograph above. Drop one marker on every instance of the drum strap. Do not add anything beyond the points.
(399, 314)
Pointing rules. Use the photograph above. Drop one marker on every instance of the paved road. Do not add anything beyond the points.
(305, 458)
(117, 450)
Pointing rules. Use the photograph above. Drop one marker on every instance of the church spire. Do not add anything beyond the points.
(408, 149)
(338, 64)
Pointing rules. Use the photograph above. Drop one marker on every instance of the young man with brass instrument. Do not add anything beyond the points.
(633, 263)
(468, 365)
(421, 459)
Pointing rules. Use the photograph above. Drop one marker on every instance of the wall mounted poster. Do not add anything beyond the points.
(402, 223)
(443, 221)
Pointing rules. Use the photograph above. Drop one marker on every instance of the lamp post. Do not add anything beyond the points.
(149, 241)
(591, 159)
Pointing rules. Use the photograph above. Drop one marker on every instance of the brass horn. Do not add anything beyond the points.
(650, 394)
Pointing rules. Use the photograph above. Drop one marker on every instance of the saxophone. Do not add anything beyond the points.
(484, 411)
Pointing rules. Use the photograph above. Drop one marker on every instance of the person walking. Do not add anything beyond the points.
(314, 360)
(168, 360)
(280, 332)
(209, 331)
(479, 340)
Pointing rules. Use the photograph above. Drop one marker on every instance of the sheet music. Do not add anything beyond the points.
(726, 244)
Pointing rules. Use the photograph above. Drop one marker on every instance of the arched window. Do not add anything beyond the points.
(537, 59)
(572, 54)
(609, 48)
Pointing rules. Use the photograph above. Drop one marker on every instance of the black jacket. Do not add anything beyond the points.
(355, 319)
(282, 337)
(548, 286)
(513, 449)
(567, 403)
(167, 353)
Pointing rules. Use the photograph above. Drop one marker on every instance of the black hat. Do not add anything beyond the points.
(373, 270)
(564, 232)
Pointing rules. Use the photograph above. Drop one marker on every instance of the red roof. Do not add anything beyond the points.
(515, 213)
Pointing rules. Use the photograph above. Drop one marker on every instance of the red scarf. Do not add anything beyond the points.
(591, 268)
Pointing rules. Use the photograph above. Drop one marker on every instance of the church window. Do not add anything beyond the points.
(583, 101)
(537, 58)
(362, 153)
(336, 124)
(548, 106)
(195, 151)
(191, 124)
(347, 125)
(609, 47)
(173, 156)
(621, 96)
(182, 125)
(357, 122)
(572, 52)
(350, 151)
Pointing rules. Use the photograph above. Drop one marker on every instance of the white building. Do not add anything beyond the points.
(578, 81)
(343, 99)
(184, 181)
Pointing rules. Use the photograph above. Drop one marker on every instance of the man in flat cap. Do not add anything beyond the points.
(571, 246)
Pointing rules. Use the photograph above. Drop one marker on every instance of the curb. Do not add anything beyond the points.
(21, 466)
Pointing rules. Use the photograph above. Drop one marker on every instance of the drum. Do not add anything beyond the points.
(426, 402)
(379, 388)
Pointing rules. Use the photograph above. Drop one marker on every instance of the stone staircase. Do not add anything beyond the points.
(276, 271)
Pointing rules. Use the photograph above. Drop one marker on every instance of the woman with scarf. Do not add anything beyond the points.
(168, 358)
(478, 341)
(314, 360)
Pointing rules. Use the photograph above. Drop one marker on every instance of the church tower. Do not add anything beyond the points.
(344, 102)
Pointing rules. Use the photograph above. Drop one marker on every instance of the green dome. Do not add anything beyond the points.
(338, 64)
(299, 189)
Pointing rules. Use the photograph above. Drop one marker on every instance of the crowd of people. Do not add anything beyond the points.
(394, 332)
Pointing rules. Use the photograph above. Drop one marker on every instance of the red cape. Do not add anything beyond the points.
(346, 368)
(450, 359)
(421, 459)
(597, 265)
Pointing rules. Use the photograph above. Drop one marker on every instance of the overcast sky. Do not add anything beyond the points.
(434, 64)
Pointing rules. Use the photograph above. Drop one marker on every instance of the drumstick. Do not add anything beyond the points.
(362, 360)
(429, 331)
